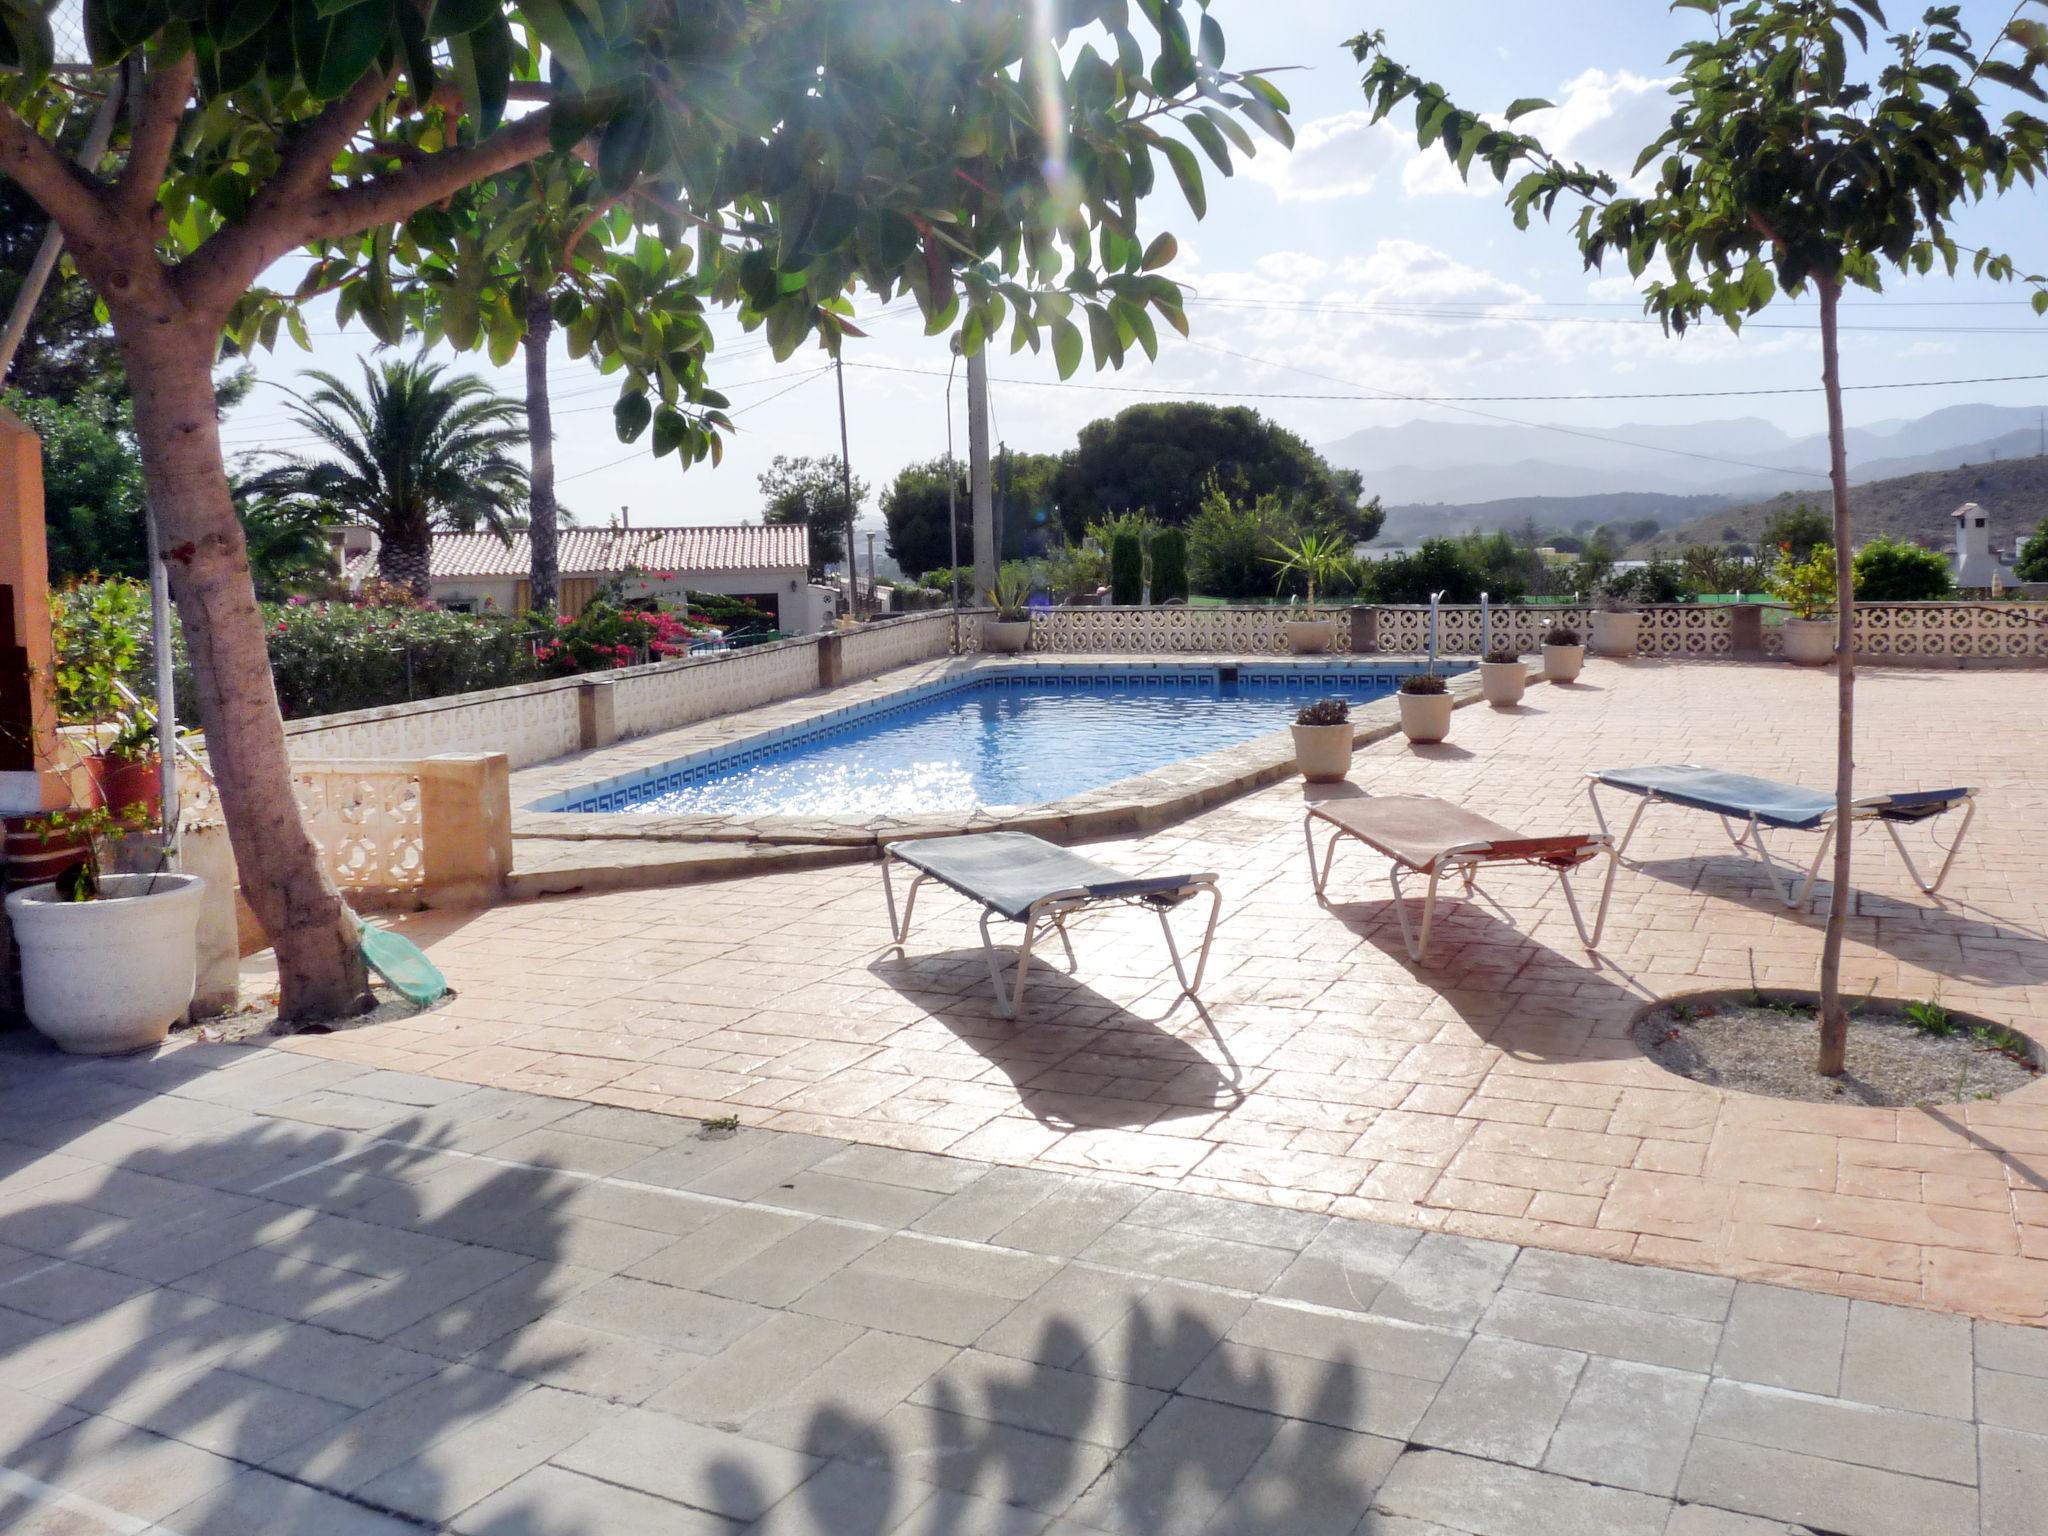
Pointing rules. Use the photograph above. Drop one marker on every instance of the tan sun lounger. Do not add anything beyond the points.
(1423, 835)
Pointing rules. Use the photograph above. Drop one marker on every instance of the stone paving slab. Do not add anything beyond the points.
(766, 1370)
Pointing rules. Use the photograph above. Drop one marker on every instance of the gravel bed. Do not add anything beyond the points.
(1769, 1049)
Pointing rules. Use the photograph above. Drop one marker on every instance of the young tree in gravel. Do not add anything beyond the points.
(1785, 172)
(974, 156)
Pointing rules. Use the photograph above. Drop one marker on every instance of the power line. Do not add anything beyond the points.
(1483, 315)
(804, 379)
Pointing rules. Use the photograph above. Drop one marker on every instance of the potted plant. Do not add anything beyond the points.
(1425, 706)
(1322, 741)
(1617, 624)
(1009, 629)
(129, 770)
(1321, 560)
(1502, 677)
(107, 960)
(1807, 587)
(1564, 653)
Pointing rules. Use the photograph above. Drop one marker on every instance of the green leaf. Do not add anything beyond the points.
(1526, 105)
(550, 21)
(2021, 80)
(1205, 133)
(631, 414)
(2041, 301)
(25, 43)
(454, 18)
(483, 71)
(624, 144)
(1160, 252)
(1188, 171)
(333, 51)
(1067, 346)
(410, 31)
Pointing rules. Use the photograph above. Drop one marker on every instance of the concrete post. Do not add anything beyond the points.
(1746, 630)
(465, 827)
(985, 553)
(29, 781)
(203, 850)
(1365, 631)
(596, 714)
(831, 660)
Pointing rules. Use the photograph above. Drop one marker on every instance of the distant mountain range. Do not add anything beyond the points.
(1437, 476)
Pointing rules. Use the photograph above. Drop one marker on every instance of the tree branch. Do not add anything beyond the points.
(385, 199)
(75, 198)
(158, 111)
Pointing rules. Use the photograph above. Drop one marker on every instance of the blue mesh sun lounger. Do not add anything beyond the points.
(1027, 880)
(1755, 804)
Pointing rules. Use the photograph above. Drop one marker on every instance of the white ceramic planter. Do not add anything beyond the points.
(1425, 716)
(1322, 752)
(1005, 636)
(1309, 637)
(100, 977)
(1503, 681)
(1809, 642)
(1563, 663)
(1615, 634)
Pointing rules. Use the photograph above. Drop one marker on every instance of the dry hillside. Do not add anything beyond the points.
(2013, 491)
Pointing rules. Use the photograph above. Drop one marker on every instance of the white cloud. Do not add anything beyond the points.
(1600, 118)
(1333, 157)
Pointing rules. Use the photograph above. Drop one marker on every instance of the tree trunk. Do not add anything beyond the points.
(540, 434)
(170, 371)
(1834, 1018)
(405, 558)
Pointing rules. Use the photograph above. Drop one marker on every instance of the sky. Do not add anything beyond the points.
(1355, 267)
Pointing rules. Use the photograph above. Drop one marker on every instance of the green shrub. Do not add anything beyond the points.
(1893, 571)
(1808, 585)
(1169, 566)
(1439, 565)
(1660, 581)
(1127, 569)
(1229, 544)
(2032, 564)
(99, 632)
(328, 658)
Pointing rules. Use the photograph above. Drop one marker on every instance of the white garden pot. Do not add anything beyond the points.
(1503, 681)
(1563, 663)
(1615, 634)
(1005, 635)
(1322, 752)
(1809, 642)
(1309, 637)
(100, 977)
(1426, 716)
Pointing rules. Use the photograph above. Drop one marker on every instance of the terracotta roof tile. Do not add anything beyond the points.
(602, 551)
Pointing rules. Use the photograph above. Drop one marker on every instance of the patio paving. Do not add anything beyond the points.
(1493, 1094)
(245, 1290)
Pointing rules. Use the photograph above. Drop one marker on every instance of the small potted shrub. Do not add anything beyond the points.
(107, 961)
(1322, 560)
(1807, 587)
(1425, 706)
(1322, 741)
(1617, 624)
(129, 770)
(1009, 628)
(1564, 653)
(1502, 677)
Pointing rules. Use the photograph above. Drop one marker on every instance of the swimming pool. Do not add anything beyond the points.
(1010, 736)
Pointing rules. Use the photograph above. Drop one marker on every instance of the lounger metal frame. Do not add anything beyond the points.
(1049, 914)
(1874, 808)
(1464, 860)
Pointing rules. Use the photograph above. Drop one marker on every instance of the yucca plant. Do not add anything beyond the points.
(1321, 560)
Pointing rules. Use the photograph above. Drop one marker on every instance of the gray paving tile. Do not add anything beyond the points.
(337, 1366)
(764, 1369)
(994, 1201)
(835, 1410)
(1061, 1320)
(399, 1428)
(474, 1326)
(553, 1147)
(639, 1126)
(771, 1159)
(729, 1239)
(913, 1170)
(1447, 1281)
(264, 1280)
(610, 1366)
(990, 1460)
(229, 1413)
(477, 1461)
(61, 1291)
(1311, 1480)
(677, 1166)
(2014, 1473)
(551, 1501)
(950, 1513)
(862, 1200)
(1627, 1425)
(1404, 1349)
(844, 1500)
(1886, 1438)
(1068, 1219)
(1014, 1276)
(1903, 1357)
(1682, 1343)
(1345, 1396)
(1673, 1291)
(1347, 1264)
(1232, 1220)
(391, 1306)
(1704, 1520)
(1781, 1338)
(25, 1418)
(1160, 1339)
(686, 1320)
(256, 1503)
(708, 1469)
(409, 1088)
(2012, 1401)
(1501, 1400)
(651, 1209)
(139, 1474)
(1491, 1498)
(921, 1308)
(778, 1275)
(1184, 1256)
(1179, 1470)
(1045, 1398)
(2004, 1347)
(1832, 1496)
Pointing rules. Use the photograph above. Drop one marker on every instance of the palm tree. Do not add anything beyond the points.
(415, 452)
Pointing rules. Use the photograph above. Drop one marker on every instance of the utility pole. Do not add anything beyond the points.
(846, 489)
(874, 590)
(977, 468)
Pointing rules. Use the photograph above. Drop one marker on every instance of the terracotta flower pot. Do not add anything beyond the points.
(136, 781)
(1322, 752)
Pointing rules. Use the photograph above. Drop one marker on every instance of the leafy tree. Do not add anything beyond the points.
(1657, 581)
(413, 453)
(68, 350)
(1783, 172)
(1126, 568)
(811, 147)
(1229, 543)
(2032, 564)
(1159, 459)
(1169, 566)
(914, 514)
(1893, 571)
(288, 546)
(92, 483)
(1792, 533)
(1026, 487)
(812, 491)
(1437, 565)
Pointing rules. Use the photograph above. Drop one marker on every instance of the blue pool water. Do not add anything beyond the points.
(1025, 736)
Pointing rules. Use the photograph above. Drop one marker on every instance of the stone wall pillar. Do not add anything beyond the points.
(831, 660)
(1746, 630)
(1365, 631)
(596, 714)
(466, 827)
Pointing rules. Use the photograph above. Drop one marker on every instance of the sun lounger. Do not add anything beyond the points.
(1027, 880)
(1422, 835)
(1754, 804)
